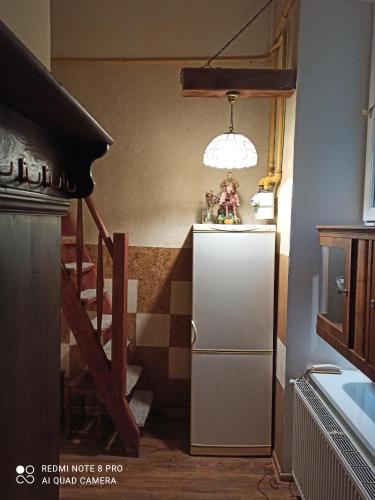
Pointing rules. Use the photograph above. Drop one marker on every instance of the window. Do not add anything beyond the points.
(369, 194)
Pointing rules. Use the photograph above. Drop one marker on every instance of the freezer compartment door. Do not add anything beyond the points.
(231, 399)
(233, 287)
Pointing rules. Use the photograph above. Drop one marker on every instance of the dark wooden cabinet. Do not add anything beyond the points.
(47, 145)
(30, 345)
(346, 318)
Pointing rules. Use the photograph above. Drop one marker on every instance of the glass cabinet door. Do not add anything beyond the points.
(335, 287)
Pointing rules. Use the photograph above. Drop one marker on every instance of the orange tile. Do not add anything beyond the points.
(154, 296)
(180, 333)
(181, 297)
(155, 367)
(180, 363)
(150, 263)
(183, 266)
(174, 394)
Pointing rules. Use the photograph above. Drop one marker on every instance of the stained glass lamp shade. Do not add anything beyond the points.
(230, 150)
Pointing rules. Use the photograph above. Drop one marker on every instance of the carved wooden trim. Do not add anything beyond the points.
(48, 141)
(18, 201)
(29, 88)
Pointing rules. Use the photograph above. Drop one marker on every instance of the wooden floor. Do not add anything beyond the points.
(166, 471)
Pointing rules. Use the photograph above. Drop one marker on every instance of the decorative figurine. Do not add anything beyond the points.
(207, 213)
(229, 200)
(221, 216)
(211, 199)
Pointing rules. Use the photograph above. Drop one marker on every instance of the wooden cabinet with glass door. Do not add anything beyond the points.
(346, 318)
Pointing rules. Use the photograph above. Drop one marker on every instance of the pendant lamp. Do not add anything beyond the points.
(230, 150)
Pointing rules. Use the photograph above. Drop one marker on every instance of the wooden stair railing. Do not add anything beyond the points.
(108, 367)
(99, 224)
(99, 367)
(119, 311)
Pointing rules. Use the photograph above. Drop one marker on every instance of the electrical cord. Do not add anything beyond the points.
(234, 37)
(260, 482)
(274, 484)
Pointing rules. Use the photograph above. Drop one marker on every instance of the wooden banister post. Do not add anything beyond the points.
(99, 224)
(97, 362)
(119, 312)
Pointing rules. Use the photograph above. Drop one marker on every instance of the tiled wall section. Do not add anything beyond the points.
(159, 308)
(280, 362)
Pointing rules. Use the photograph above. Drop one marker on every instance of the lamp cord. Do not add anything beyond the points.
(234, 37)
(231, 126)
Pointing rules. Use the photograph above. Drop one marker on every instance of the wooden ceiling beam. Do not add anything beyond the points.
(216, 82)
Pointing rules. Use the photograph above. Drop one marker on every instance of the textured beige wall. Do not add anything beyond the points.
(30, 21)
(155, 28)
(152, 181)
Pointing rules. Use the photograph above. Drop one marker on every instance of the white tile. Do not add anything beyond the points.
(72, 339)
(280, 362)
(181, 297)
(132, 296)
(152, 330)
(108, 286)
(179, 363)
(132, 293)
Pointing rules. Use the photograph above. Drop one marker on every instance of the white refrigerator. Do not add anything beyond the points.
(232, 339)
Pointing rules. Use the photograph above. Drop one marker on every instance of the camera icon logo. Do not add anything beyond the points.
(25, 474)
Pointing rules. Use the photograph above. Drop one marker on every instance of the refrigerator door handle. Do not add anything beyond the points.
(194, 334)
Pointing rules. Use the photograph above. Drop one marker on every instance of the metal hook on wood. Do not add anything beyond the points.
(71, 189)
(58, 185)
(66, 184)
(31, 181)
(22, 170)
(9, 172)
(46, 176)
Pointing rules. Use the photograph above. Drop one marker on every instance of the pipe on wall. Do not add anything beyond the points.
(278, 110)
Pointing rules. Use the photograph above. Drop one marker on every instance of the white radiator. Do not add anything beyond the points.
(327, 464)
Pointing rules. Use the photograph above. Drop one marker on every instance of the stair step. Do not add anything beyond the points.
(106, 322)
(68, 240)
(84, 380)
(86, 266)
(140, 405)
(133, 373)
(88, 296)
(108, 349)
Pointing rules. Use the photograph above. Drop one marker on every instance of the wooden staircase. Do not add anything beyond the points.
(100, 327)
